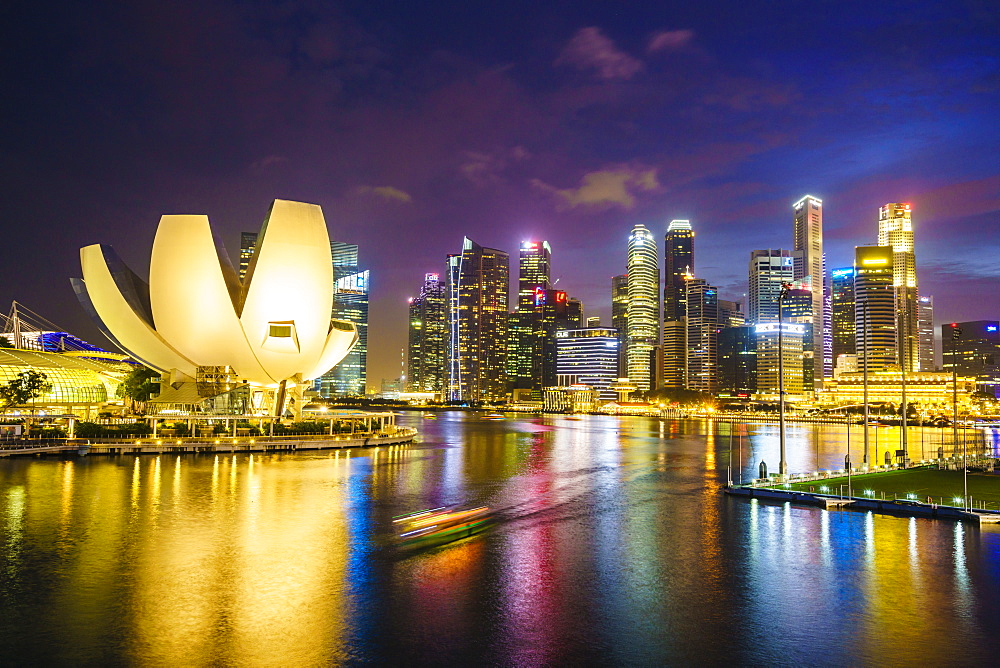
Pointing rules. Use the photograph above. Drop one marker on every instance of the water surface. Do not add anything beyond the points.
(614, 546)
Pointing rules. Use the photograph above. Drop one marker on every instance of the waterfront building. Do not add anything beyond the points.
(594, 321)
(811, 267)
(791, 349)
(478, 285)
(768, 270)
(643, 326)
(570, 399)
(428, 337)
(269, 332)
(350, 303)
(929, 391)
(737, 361)
(702, 336)
(925, 332)
(875, 307)
(82, 378)
(590, 356)
(974, 348)
(842, 299)
(678, 267)
(895, 229)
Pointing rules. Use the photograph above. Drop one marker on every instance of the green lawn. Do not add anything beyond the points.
(942, 486)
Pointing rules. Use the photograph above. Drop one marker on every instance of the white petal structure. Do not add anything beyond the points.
(195, 312)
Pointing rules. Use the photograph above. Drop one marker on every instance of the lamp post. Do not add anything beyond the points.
(864, 355)
(782, 465)
(956, 333)
(903, 330)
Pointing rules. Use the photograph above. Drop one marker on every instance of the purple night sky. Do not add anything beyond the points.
(416, 123)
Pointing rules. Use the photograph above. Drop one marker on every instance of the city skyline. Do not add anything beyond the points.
(572, 123)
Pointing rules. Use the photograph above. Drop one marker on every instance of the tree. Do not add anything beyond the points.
(28, 385)
(5, 342)
(139, 385)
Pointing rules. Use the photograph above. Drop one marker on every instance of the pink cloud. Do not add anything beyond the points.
(669, 40)
(590, 49)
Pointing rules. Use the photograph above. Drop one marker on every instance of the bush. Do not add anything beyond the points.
(46, 431)
(89, 430)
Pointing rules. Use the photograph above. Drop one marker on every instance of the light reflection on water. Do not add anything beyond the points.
(614, 545)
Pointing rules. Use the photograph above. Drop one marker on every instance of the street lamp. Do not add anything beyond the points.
(782, 464)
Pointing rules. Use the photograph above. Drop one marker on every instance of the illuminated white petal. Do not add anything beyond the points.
(343, 336)
(192, 301)
(290, 280)
(129, 329)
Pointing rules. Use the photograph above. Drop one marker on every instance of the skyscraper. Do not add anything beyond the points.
(428, 337)
(528, 336)
(678, 265)
(678, 269)
(702, 336)
(550, 315)
(875, 307)
(895, 229)
(350, 302)
(842, 298)
(574, 313)
(619, 317)
(974, 347)
(768, 271)
(737, 361)
(925, 332)
(643, 307)
(808, 224)
(731, 314)
(248, 243)
(534, 271)
(478, 285)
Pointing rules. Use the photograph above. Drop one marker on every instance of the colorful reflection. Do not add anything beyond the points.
(611, 544)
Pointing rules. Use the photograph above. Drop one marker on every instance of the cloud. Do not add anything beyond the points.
(486, 168)
(603, 189)
(268, 162)
(669, 40)
(591, 50)
(386, 192)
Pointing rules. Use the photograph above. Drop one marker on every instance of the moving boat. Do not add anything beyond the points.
(437, 526)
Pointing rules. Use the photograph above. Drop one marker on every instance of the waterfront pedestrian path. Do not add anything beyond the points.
(937, 490)
(171, 445)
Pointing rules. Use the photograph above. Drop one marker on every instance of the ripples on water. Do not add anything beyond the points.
(614, 545)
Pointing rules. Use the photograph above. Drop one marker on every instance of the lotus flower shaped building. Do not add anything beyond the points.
(272, 327)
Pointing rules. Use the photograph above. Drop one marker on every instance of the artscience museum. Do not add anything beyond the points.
(216, 339)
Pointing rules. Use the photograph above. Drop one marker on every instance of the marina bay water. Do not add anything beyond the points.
(613, 545)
